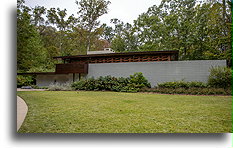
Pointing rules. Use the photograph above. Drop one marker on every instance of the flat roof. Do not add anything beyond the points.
(118, 54)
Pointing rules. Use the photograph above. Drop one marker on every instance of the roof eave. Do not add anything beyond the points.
(117, 54)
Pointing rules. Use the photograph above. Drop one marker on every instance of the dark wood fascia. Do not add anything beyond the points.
(118, 54)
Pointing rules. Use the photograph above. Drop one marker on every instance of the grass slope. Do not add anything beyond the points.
(112, 112)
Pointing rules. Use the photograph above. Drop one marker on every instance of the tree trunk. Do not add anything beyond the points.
(88, 42)
(89, 38)
(224, 10)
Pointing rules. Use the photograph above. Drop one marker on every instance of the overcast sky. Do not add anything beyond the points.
(125, 10)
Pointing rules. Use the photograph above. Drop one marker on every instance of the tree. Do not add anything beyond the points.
(30, 51)
(38, 19)
(125, 38)
(89, 13)
(219, 25)
(37, 15)
(57, 17)
(108, 33)
(150, 30)
(168, 27)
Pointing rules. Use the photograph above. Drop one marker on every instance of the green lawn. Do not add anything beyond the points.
(113, 112)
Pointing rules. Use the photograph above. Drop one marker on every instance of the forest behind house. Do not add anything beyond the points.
(200, 30)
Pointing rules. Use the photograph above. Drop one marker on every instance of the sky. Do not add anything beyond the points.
(125, 10)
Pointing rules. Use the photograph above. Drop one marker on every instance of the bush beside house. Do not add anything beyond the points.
(133, 83)
(220, 77)
(190, 91)
(183, 84)
(25, 81)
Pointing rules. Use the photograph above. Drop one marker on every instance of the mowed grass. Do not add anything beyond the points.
(114, 112)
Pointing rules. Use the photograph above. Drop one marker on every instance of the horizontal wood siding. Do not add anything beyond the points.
(71, 68)
(124, 59)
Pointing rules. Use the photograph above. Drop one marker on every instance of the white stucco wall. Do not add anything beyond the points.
(158, 72)
(46, 80)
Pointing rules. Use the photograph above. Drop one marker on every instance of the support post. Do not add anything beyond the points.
(79, 76)
(73, 77)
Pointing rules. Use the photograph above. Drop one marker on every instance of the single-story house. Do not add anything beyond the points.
(156, 66)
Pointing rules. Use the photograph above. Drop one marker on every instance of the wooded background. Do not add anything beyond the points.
(199, 29)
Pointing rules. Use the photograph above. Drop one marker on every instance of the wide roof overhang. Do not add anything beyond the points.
(118, 54)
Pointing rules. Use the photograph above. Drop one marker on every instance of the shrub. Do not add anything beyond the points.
(58, 87)
(25, 80)
(39, 87)
(190, 91)
(220, 77)
(197, 84)
(182, 84)
(78, 85)
(193, 88)
(139, 80)
(130, 84)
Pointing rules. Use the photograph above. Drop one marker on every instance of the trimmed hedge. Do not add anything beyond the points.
(133, 83)
(193, 88)
(39, 87)
(183, 84)
(190, 91)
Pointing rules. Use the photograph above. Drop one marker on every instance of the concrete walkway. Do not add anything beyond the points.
(22, 110)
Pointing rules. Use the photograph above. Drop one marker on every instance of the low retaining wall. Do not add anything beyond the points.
(155, 72)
